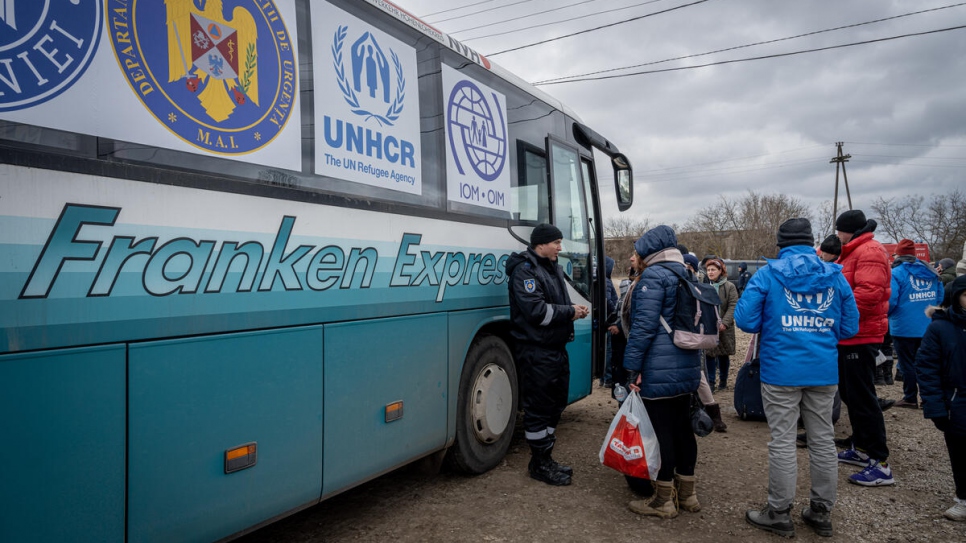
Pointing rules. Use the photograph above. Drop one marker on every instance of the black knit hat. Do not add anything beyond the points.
(832, 245)
(544, 233)
(796, 231)
(851, 221)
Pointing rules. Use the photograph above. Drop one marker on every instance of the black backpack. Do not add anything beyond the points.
(694, 325)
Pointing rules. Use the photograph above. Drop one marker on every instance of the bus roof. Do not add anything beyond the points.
(477, 58)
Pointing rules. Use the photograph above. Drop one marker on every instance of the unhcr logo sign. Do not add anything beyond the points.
(369, 122)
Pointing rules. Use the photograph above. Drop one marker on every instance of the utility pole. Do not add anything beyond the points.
(840, 161)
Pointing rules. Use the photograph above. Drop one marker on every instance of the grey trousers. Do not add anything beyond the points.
(782, 407)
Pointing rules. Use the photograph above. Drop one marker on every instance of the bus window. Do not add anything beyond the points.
(530, 196)
(569, 213)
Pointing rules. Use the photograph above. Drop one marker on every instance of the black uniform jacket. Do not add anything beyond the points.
(540, 307)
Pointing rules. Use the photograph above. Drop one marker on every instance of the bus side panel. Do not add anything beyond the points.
(463, 327)
(63, 445)
(193, 399)
(368, 365)
(580, 353)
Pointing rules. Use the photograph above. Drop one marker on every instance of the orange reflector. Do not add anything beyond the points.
(394, 411)
(241, 457)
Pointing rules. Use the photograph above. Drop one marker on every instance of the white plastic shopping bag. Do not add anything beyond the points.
(631, 445)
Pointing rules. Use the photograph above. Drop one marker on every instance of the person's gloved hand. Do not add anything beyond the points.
(942, 423)
(634, 380)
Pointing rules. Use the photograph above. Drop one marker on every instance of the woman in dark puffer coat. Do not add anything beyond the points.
(664, 374)
(941, 372)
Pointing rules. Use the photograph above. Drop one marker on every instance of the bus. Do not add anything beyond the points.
(252, 254)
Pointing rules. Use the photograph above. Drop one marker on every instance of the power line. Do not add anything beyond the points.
(747, 45)
(514, 31)
(904, 144)
(763, 57)
(455, 9)
(520, 18)
(481, 11)
(596, 28)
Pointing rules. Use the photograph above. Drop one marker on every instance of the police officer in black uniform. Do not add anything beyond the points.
(542, 316)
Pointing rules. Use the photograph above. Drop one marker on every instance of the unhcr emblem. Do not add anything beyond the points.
(223, 80)
(366, 90)
(45, 47)
(818, 302)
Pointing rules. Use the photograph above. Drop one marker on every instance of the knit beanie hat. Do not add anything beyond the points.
(906, 247)
(742, 266)
(692, 260)
(544, 233)
(796, 231)
(851, 221)
(947, 263)
(832, 245)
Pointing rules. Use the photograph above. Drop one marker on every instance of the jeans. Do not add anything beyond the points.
(906, 348)
(713, 364)
(857, 389)
(783, 405)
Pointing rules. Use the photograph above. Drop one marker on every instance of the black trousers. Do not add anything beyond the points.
(546, 383)
(956, 445)
(671, 418)
(618, 344)
(857, 389)
(906, 349)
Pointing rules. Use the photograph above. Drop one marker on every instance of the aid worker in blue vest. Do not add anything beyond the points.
(801, 307)
(543, 322)
(915, 287)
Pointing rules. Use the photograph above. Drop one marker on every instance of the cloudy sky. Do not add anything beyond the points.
(694, 134)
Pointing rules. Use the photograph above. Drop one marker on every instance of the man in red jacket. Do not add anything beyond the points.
(865, 264)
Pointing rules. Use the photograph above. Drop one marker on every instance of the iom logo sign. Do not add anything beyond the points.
(477, 152)
(477, 130)
(371, 78)
(45, 47)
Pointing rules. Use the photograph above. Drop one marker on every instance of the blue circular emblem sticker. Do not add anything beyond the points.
(220, 74)
(45, 46)
(481, 132)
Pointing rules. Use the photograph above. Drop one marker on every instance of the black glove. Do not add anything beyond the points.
(942, 423)
(632, 377)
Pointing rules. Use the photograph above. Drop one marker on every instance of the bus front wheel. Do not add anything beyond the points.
(486, 407)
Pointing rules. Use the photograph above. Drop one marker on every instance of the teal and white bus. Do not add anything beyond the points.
(252, 255)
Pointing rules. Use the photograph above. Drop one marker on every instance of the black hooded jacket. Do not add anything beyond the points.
(540, 307)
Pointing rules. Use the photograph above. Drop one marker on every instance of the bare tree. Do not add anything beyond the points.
(623, 226)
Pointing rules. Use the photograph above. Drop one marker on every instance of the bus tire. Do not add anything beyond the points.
(486, 408)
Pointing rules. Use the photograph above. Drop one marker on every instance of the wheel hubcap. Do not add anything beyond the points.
(492, 403)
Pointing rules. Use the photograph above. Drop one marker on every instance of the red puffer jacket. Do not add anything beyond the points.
(865, 265)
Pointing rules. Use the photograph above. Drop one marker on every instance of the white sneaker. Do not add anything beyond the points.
(957, 512)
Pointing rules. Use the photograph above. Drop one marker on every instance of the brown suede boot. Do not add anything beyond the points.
(662, 505)
(714, 411)
(687, 499)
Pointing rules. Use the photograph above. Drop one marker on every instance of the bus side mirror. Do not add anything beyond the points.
(623, 181)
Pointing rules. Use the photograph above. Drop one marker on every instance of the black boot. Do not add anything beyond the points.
(880, 374)
(563, 468)
(714, 411)
(542, 469)
(887, 367)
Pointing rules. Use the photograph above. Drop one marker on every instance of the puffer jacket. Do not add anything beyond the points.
(666, 370)
(802, 308)
(941, 364)
(540, 306)
(865, 266)
(915, 287)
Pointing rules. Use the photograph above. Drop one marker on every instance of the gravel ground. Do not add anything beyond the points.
(504, 504)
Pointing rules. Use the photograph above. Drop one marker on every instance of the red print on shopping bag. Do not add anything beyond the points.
(631, 445)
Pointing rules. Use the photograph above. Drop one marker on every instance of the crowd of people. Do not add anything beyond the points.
(822, 315)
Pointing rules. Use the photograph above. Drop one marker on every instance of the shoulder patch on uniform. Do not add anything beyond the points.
(530, 285)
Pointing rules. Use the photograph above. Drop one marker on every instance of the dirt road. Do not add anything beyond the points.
(504, 505)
